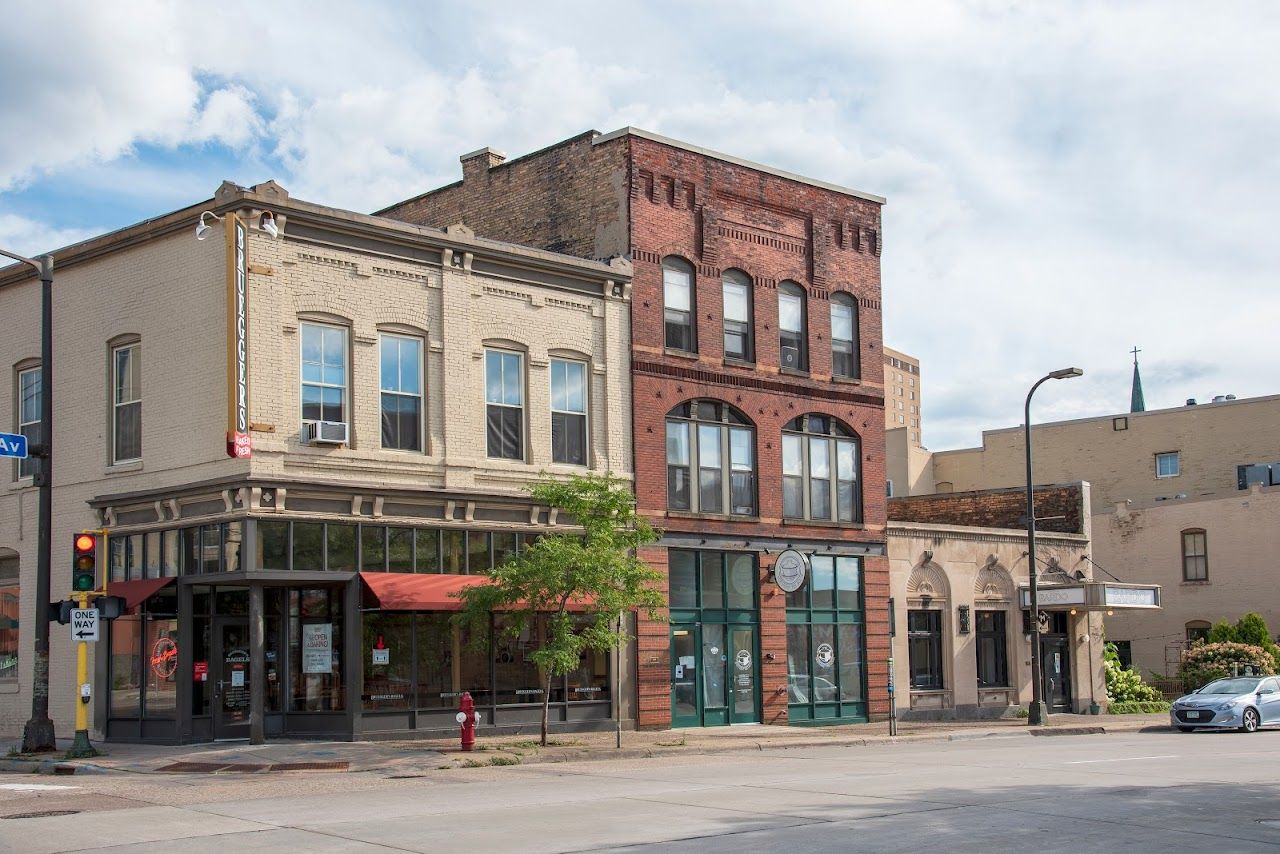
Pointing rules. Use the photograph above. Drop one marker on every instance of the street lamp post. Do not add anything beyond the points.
(38, 735)
(1036, 713)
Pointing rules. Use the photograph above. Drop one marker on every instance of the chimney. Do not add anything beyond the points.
(480, 161)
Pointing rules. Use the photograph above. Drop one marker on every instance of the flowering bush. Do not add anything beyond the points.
(1205, 662)
(1125, 686)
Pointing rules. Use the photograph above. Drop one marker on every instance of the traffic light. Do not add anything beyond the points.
(84, 566)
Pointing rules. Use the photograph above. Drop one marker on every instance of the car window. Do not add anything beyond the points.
(1245, 685)
(1273, 684)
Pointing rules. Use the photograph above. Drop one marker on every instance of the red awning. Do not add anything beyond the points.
(138, 591)
(403, 591)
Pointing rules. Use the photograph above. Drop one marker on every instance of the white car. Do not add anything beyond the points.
(1240, 702)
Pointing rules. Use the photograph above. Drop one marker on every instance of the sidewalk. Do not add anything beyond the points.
(418, 757)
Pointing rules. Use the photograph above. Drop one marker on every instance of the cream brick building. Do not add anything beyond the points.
(1186, 498)
(304, 589)
(902, 393)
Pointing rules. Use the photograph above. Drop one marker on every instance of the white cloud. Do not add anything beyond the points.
(30, 238)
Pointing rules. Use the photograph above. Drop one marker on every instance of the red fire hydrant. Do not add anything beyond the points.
(467, 717)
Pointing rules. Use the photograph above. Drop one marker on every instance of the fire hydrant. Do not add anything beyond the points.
(467, 717)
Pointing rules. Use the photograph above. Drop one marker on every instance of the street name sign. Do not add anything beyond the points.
(84, 624)
(13, 445)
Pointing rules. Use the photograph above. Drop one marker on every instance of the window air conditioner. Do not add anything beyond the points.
(324, 433)
(791, 357)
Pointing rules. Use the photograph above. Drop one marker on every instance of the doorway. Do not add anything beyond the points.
(232, 679)
(1056, 666)
(714, 675)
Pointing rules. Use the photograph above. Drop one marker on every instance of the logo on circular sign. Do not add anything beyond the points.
(789, 570)
(824, 654)
(743, 659)
(164, 658)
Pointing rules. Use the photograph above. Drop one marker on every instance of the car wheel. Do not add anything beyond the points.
(1249, 721)
(1186, 729)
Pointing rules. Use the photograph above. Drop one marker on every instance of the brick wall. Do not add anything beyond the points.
(996, 508)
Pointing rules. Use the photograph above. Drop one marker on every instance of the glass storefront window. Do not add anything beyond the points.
(341, 542)
(589, 681)
(162, 667)
(712, 580)
(10, 579)
(848, 583)
(202, 689)
(171, 557)
(850, 652)
(826, 642)
(153, 554)
(273, 544)
(315, 645)
(504, 547)
(308, 545)
(210, 549)
(400, 549)
(117, 551)
(454, 549)
(742, 581)
(516, 678)
(798, 677)
(822, 588)
(387, 645)
(427, 550)
(682, 575)
(373, 548)
(232, 539)
(135, 556)
(478, 553)
(126, 666)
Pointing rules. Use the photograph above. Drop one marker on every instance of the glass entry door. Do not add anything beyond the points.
(231, 677)
(714, 674)
(1056, 667)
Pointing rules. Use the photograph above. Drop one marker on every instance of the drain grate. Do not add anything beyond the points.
(310, 766)
(249, 768)
(41, 814)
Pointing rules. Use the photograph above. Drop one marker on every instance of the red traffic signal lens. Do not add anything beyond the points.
(86, 543)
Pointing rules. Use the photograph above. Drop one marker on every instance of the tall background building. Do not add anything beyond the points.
(902, 392)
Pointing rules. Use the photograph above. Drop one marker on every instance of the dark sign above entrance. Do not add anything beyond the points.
(790, 569)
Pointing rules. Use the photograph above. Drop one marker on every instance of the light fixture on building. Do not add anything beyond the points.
(1073, 612)
(268, 224)
(202, 228)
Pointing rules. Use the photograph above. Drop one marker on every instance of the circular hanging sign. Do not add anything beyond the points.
(743, 659)
(790, 569)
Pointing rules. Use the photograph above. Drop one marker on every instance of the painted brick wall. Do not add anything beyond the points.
(996, 508)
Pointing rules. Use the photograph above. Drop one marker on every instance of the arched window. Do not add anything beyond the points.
(737, 316)
(1197, 630)
(678, 304)
(820, 470)
(1195, 555)
(844, 337)
(719, 442)
(793, 336)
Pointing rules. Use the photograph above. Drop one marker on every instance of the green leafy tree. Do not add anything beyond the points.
(1251, 629)
(575, 584)
(1222, 632)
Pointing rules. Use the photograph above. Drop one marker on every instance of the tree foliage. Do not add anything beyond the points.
(1205, 662)
(579, 582)
(1251, 629)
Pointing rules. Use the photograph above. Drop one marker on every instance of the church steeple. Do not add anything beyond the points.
(1136, 403)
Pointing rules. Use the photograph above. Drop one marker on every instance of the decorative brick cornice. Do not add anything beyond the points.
(696, 375)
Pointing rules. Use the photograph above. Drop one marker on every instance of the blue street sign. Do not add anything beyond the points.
(13, 445)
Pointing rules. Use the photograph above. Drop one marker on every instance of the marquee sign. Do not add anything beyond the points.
(239, 443)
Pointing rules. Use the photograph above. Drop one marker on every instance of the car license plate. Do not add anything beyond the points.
(1191, 715)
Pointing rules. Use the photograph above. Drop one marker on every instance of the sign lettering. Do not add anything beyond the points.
(239, 442)
(84, 625)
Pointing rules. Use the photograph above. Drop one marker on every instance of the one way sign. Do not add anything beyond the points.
(84, 624)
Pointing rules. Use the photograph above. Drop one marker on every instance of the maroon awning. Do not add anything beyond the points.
(135, 592)
(404, 591)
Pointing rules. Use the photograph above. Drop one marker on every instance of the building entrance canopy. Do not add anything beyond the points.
(1092, 596)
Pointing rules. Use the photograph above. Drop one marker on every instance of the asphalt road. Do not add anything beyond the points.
(1133, 792)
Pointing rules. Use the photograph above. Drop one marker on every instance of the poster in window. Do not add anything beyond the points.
(317, 648)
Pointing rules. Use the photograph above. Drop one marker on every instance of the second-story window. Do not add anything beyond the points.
(1195, 555)
(820, 470)
(719, 443)
(792, 335)
(737, 316)
(504, 404)
(126, 415)
(29, 415)
(324, 373)
(1168, 464)
(401, 383)
(678, 305)
(844, 337)
(568, 412)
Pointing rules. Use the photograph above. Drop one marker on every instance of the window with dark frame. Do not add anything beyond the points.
(400, 369)
(719, 441)
(924, 649)
(678, 303)
(793, 336)
(126, 415)
(1195, 555)
(504, 404)
(844, 337)
(568, 412)
(29, 415)
(826, 637)
(1197, 630)
(820, 454)
(993, 651)
(737, 289)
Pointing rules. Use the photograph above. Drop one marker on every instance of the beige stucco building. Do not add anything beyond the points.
(399, 386)
(902, 393)
(1186, 498)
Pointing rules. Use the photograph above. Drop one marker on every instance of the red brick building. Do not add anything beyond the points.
(758, 409)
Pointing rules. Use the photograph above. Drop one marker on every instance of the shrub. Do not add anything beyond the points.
(1205, 662)
(1125, 686)
(1145, 708)
(1250, 629)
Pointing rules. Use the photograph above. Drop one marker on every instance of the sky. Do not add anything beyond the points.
(1065, 181)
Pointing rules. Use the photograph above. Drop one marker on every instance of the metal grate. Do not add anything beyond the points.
(310, 766)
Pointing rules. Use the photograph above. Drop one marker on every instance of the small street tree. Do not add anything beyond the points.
(577, 584)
